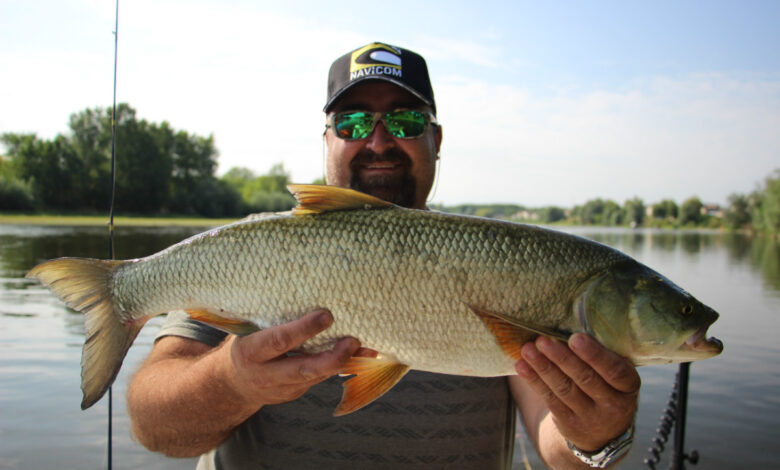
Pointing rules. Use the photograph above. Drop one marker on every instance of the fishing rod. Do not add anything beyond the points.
(111, 222)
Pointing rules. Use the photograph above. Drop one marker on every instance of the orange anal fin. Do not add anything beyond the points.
(509, 337)
(373, 378)
(228, 325)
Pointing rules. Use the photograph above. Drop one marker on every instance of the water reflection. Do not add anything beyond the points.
(22, 249)
(761, 254)
(765, 256)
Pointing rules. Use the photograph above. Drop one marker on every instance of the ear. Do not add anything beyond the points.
(437, 138)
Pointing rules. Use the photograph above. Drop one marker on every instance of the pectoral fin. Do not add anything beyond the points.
(511, 334)
(228, 325)
(373, 378)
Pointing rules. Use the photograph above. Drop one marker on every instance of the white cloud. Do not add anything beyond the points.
(257, 81)
(705, 135)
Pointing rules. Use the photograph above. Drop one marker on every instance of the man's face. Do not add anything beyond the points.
(397, 170)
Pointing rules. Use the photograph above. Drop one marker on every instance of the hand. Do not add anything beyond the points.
(265, 375)
(590, 391)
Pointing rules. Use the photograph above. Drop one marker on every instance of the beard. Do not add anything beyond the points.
(397, 187)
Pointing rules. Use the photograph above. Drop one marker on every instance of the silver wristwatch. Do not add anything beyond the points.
(614, 449)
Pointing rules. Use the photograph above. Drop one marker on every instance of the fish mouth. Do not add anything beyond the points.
(701, 345)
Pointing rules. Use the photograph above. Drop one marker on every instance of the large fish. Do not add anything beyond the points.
(428, 291)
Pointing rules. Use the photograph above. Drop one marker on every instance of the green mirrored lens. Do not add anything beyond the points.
(405, 124)
(357, 125)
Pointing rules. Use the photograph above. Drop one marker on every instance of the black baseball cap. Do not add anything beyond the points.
(379, 61)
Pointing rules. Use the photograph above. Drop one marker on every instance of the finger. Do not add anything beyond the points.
(310, 369)
(615, 370)
(558, 377)
(272, 342)
(585, 377)
(533, 368)
(365, 352)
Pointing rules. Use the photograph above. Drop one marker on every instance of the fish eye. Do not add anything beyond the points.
(687, 309)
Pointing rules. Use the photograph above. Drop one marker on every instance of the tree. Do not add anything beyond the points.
(91, 141)
(690, 211)
(193, 162)
(264, 193)
(612, 214)
(666, 209)
(737, 215)
(143, 169)
(591, 212)
(766, 204)
(158, 169)
(50, 167)
(634, 211)
(551, 214)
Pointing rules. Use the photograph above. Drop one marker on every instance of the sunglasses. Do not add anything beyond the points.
(402, 124)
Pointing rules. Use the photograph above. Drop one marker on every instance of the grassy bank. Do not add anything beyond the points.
(97, 220)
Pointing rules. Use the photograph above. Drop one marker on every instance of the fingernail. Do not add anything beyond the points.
(579, 342)
(530, 352)
(325, 319)
(522, 368)
(348, 346)
(354, 345)
(543, 343)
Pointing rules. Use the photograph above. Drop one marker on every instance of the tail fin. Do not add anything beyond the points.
(85, 285)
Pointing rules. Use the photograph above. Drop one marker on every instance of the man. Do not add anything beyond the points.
(249, 402)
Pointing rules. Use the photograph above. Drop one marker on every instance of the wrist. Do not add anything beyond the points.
(611, 452)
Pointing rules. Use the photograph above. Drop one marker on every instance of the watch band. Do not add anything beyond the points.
(612, 451)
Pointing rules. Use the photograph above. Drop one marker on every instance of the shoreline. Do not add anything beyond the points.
(102, 220)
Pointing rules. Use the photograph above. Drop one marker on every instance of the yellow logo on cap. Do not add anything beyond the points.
(375, 59)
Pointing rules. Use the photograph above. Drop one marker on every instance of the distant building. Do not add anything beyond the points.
(713, 210)
(526, 215)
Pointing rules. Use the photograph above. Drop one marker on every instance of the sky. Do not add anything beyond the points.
(541, 103)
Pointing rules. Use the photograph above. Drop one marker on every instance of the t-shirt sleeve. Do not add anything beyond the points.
(180, 324)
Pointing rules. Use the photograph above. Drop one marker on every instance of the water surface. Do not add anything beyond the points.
(734, 407)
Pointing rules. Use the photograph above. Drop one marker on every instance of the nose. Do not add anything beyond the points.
(380, 140)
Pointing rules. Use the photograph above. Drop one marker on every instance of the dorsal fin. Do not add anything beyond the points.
(315, 199)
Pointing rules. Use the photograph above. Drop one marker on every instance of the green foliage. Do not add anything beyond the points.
(634, 212)
(737, 215)
(598, 212)
(503, 211)
(765, 205)
(612, 215)
(551, 214)
(666, 209)
(15, 195)
(690, 211)
(264, 193)
(158, 169)
(50, 167)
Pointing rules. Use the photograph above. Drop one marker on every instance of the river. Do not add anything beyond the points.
(733, 416)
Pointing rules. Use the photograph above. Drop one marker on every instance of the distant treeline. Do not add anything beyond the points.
(755, 212)
(161, 170)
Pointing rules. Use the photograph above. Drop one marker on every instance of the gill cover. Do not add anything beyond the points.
(644, 316)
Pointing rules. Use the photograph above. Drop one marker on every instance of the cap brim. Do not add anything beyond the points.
(383, 78)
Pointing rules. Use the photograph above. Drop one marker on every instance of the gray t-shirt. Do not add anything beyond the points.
(426, 421)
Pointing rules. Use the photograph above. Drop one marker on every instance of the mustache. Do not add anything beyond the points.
(392, 155)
